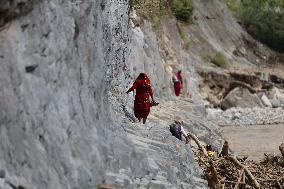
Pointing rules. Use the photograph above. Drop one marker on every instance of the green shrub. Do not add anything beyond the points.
(182, 9)
(233, 5)
(153, 10)
(183, 34)
(220, 60)
(263, 19)
(207, 57)
(157, 10)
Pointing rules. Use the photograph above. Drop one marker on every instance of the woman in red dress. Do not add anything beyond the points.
(178, 83)
(143, 91)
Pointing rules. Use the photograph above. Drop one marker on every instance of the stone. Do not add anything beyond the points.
(2, 174)
(31, 68)
(276, 97)
(266, 101)
(241, 97)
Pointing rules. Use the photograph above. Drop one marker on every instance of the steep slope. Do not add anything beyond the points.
(64, 66)
(65, 120)
(59, 63)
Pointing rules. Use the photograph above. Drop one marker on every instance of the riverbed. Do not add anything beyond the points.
(254, 141)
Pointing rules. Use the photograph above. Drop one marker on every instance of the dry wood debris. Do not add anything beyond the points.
(230, 172)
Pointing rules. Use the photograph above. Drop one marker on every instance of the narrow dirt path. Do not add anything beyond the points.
(170, 160)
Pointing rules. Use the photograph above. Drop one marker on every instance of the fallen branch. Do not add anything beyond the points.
(214, 174)
(231, 182)
(203, 161)
(269, 180)
(249, 175)
(196, 140)
(281, 148)
(240, 178)
(280, 187)
(225, 149)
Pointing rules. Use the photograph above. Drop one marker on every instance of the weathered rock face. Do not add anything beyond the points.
(12, 9)
(64, 66)
(241, 97)
(58, 65)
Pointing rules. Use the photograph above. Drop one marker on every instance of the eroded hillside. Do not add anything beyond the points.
(65, 119)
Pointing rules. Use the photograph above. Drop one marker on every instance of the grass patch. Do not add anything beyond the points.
(157, 10)
(233, 5)
(182, 9)
(152, 10)
(183, 34)
(219, 60)
(207, 57)
(263, 19)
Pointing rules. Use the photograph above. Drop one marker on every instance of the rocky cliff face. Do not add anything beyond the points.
(59, 63)
(65, 66)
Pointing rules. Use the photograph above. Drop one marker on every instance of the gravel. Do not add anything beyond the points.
(246, 116)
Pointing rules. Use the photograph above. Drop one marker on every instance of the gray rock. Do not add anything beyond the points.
(276, 97)
(266, 101)
(4, 5)
(241, 97)
(2, 174)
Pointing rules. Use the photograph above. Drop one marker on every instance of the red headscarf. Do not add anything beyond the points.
(143, 77)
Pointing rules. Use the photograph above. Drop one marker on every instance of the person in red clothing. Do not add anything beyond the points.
(142, 103)
(177, 79)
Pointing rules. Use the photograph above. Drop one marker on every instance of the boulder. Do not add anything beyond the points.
(266, 101)
(276, 97)
(241, 97)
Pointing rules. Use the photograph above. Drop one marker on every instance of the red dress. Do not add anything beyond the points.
(142, 103)
(178, 85)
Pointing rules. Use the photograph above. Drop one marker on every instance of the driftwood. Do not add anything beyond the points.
(269, 180)
(214, 174)
(279, 185)
(230, 172)
(225, 149)
(240, 178)
(248, 173)
(197, 141)
(281, 148)
(231, 182)
(201, 160)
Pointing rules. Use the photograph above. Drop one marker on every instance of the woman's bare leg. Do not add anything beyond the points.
(139, 118)
(144, 120)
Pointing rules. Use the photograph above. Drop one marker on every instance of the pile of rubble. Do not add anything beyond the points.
(267, 173)
(232, 172)
(246, 116)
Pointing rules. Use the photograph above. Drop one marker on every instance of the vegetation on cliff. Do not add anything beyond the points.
(156, 10)
(262, 19)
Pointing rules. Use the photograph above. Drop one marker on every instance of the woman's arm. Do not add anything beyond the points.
(150, 92)
(134, 86)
